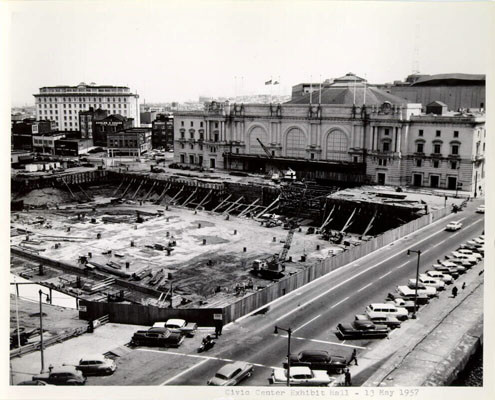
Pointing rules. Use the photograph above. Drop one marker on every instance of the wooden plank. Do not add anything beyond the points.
(370, 224)
(327, 220)
(204, 199)
(149, 192)
(233, 204)
(248, 208)
(136, 192)
(190, 197)
(224, 200)
(177, 194)
(267, 208)
(348, 221)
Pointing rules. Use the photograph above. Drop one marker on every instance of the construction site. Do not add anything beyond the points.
(189, 242)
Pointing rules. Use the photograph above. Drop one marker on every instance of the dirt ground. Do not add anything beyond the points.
(55, 319)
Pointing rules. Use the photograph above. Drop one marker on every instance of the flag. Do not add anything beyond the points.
(268, 82)
(275, 83)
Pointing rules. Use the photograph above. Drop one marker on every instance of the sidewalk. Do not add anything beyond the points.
(103, 339)
(425, 351)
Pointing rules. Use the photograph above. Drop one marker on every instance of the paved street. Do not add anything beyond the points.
(311, 312)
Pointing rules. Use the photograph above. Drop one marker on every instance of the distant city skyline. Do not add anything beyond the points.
(170, 51)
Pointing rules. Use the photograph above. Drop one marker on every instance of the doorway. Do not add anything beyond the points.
(451, 183)
(434, 180)
(417, 180)
(212, 163)
(381, 178)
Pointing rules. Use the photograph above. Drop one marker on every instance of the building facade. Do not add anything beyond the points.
(62, 104)
(129, 142)
(72, 147)
(335, 140)
(87, 121)
(23, 131)
(163, 132)
(44, 143)
(110, 124)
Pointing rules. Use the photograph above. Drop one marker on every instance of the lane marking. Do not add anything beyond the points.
(341, 301)
(323, 341)
(364, 287)
(351, 278)
(303, 325)
(305, 288)
(183, 372)
(384, 275)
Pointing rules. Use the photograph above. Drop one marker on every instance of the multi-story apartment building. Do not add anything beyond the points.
(62, 104)
(327, 136)
(129, 142)
(163, 132)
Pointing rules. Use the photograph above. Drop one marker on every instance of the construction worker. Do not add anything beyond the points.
(454, 292)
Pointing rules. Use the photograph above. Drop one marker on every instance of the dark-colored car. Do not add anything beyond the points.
(62, 376)
(361, 330)
(160, 337)
(318, 360)
(389, 321)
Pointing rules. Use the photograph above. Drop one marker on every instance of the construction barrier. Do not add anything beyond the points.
(283, 286)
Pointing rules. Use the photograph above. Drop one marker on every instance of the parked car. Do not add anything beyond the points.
(161, 337)
(232, 374)
(471, 253)
(64, 375)
(33, 383)
(425, 281)
(186, 328)
(448, 279)
(385, 310)
(472, 259)
(408, 294)
(391, 322)
(318, 360)
(361, 330)
(411, 292)
(407, 304)
(450, 268)
(453, 226)
(96, 365)
(481, 209)
(300, 376)
(480, 240)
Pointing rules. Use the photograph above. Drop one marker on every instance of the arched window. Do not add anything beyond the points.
(296, 143)
(337, 146)
(254, 146)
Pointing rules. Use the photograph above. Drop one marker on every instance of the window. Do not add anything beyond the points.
(182, 145)
(436, 163)
(312, 155)
(181, 123)
(455, 149)
(419, 147)
(437, 148)
(182, 135)
(421, 132)
(386, 146)
(382, 162)
(387, 131)
(453, 165)
(192, 124)
(192, 135)
(216, 124)
(191, 146)
(419, 163)
(438, 133)
(456, 133)
(201, 124)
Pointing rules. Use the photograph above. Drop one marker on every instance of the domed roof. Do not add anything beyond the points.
(349, 95)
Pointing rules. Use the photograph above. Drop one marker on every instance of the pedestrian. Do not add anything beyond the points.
(50, 367)
(347, 377)
(454, 292)
(463, 285)
(353, 358)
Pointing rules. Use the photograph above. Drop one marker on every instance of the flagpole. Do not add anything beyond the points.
(311, 89)
(319, 97)
(364, 97)
(354, 97)
(271, 86)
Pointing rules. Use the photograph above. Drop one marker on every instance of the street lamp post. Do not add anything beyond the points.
(418, 252)
(289, 332)
(41, 329)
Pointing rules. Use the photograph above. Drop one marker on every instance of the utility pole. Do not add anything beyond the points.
(41, 329)
(289, 332)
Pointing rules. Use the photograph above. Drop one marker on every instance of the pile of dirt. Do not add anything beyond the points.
(48, 197)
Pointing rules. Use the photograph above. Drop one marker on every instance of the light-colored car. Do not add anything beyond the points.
(479, 240)
(232, 374)
(433, 282)
(448, 279)
(300, 376)
(481, 209)
(385, 310)
(96, 365)
(453, 226)
(471, 253)
(472, 259)
(427, 290)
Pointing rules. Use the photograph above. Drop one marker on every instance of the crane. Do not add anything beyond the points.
(291, 174)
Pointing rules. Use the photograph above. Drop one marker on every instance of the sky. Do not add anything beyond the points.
(177, 51)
